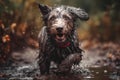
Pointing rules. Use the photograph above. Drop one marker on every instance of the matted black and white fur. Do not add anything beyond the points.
(58, 39)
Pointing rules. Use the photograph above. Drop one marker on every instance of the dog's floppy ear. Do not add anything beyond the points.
(44, 9)
(80, 13)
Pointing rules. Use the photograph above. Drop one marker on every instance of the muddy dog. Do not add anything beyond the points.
(58, 39)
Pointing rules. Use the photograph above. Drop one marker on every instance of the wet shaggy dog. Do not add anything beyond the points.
(58, 39)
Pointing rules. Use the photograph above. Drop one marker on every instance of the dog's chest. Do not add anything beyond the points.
(56, 51)
(59, 54)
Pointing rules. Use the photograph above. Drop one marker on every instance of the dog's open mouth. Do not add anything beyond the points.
(60, 37)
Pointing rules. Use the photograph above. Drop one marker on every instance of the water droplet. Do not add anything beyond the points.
(97, 72)
(105, 71)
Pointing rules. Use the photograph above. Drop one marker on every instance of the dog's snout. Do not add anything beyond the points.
(59, 29)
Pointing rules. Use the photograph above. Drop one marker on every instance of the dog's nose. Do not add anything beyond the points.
(59, 29)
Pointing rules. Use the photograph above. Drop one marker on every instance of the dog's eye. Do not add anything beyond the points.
(66, 17)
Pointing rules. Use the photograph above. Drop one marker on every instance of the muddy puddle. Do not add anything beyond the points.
(92, 67)
(102, 73)
(92, 73)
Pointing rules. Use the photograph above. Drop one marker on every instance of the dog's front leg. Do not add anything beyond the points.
(44, 66)
(67, 63)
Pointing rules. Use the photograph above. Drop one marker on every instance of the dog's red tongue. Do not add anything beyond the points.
(63, 45)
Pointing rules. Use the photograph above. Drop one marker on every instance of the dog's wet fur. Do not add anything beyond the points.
(58, 38)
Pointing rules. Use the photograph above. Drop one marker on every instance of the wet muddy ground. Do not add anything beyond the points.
(99, 63)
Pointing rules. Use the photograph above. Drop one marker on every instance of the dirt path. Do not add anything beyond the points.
(94, 65)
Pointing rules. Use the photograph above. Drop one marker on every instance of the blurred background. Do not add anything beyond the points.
(23, 17)
(21, 21)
